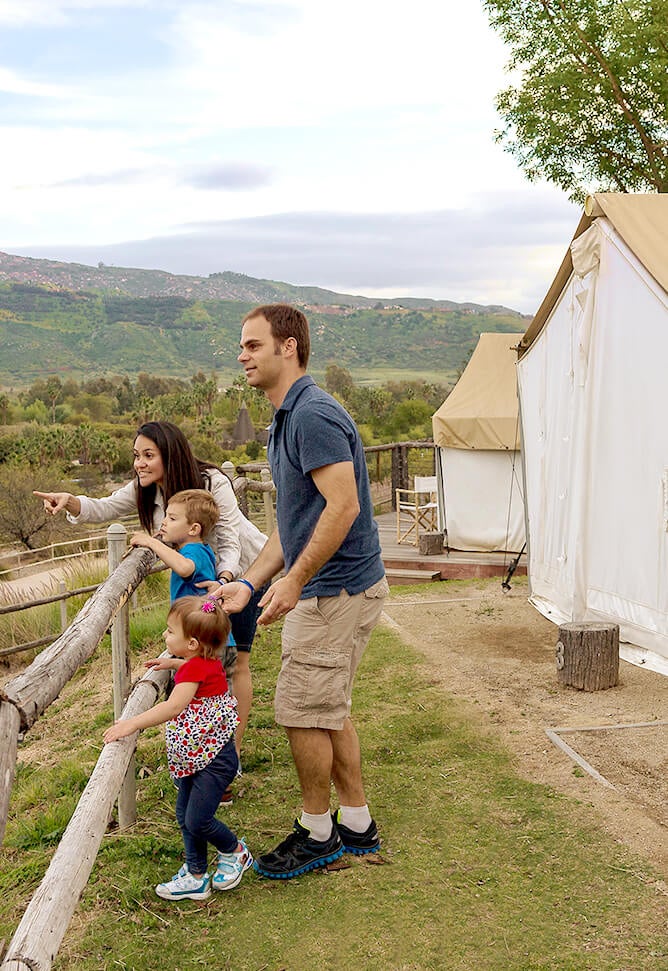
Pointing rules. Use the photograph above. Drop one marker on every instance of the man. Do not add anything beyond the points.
(332, 590)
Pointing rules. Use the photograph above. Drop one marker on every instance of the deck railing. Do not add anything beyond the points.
(392, 466)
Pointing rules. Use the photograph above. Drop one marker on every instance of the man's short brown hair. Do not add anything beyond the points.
(286, 321)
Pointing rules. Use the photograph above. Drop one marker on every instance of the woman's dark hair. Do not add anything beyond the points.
(182, 469)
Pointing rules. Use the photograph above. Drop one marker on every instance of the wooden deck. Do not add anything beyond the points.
(405, 564)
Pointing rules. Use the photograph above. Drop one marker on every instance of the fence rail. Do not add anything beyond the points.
(391, 467)
(27, 559)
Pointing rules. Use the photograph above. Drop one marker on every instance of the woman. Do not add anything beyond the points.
(164, 464)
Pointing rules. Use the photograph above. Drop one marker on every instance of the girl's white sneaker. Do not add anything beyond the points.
(184, 886)
(231, 868)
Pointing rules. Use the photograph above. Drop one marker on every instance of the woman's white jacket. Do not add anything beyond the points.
(236, 540)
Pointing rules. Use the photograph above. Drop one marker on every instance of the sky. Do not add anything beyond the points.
(347, 144)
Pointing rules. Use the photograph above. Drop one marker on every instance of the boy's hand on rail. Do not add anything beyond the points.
(141, 538)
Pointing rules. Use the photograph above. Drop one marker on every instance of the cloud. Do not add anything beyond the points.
(57, 13)
(506, 252)
(229, 176)
(12, 83)
(96, 179)
(348, 146)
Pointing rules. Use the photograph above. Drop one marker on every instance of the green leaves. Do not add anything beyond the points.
(588, 109)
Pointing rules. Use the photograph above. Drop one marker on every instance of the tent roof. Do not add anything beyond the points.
(481, 410)
(642, 222)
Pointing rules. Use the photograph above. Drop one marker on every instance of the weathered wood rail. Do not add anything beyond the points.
(46, 919)
(34, 689)
(23, 699)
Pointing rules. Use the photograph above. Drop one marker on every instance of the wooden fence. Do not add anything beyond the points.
(16, 561)
(23, 699)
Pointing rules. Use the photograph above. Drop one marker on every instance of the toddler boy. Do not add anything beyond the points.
(181, 542)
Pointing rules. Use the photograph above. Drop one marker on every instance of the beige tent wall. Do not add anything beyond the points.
(476, 429)
(481, 503)
(593, 391)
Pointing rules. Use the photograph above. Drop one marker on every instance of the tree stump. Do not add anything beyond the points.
(588, 656)
(431, 543)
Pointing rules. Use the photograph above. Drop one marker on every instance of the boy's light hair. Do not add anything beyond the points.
(211, 626)
(199, 506)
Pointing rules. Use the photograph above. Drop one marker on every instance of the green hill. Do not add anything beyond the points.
(75, 320)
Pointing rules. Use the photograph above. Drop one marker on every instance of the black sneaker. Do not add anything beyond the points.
(298, 854)
(357, 843)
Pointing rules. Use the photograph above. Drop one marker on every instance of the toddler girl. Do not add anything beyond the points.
(201, 718)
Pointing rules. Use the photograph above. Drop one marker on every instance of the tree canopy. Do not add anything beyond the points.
(589, 110)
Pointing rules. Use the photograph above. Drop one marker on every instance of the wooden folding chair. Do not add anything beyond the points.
(417, 508)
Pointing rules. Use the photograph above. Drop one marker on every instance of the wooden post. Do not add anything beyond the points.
(265, 475)
(10, 726)
(588, 656)
(229, 470)
(63, 607)
(399, 471)
(238, 484)
(37, 938)
(121, 671)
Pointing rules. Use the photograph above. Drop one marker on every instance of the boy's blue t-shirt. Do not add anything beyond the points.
(205, 569)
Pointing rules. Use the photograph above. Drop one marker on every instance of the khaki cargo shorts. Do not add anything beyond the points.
(323, 641)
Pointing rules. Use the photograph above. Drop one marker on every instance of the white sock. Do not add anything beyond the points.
(318, 825)
(357, 818)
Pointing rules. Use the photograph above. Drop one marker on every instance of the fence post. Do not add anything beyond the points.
(399, 471)
(265, 476)
(120, 660)
(230, 471)
(62, 588)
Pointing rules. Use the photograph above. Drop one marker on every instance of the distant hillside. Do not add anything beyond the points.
(217, 286)
(78, 320)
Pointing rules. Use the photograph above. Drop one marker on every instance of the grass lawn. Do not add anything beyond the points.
(479, 870)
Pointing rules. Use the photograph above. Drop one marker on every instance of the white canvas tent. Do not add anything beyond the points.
(594, 407)
(476, 431)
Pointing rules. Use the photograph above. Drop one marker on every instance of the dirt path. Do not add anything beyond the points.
(31, 587)
(497, 652)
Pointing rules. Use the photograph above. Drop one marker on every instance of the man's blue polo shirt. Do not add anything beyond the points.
(311, 430)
